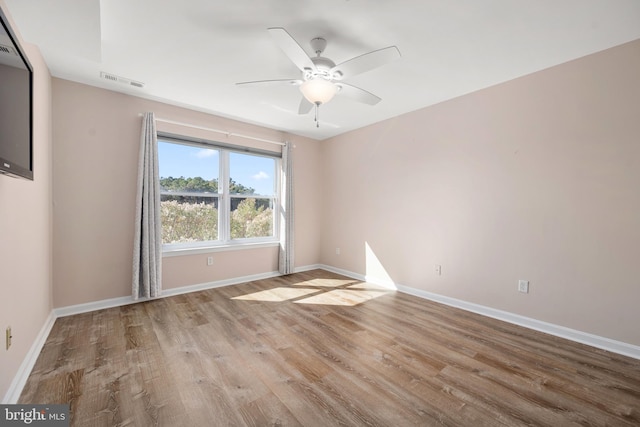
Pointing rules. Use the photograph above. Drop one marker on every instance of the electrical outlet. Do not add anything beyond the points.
(337, 251)
(209, 260)
(523, 286)
(9, 336)
(438, 270)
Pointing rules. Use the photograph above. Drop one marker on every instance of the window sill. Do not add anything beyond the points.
(217, 248)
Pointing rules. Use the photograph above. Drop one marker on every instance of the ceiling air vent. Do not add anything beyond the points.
(121, 80)
(8, 49)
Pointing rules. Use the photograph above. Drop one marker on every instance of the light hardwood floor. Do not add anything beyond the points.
(318, 349)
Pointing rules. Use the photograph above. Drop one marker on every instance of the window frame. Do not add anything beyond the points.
(224, 198)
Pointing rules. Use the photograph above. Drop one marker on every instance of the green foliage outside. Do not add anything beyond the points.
(188, 222)
(249, 220)
(193, 218)
(200, 185)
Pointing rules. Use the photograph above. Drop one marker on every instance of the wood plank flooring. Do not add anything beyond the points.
(319, 349)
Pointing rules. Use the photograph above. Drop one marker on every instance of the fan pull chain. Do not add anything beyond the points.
(317, 116)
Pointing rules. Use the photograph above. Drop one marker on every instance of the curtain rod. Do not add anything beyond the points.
(228, 134)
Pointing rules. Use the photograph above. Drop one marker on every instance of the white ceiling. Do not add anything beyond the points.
(191, 52)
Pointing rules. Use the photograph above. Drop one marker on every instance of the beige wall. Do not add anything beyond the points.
(96, 136)
(533, 179)
(536, 179)
(25, 236)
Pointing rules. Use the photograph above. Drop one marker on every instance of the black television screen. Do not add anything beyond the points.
(16, 74)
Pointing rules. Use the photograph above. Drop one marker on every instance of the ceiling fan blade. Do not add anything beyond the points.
(290, 82)
(366, 62)
(358, 94)
(305, 106)
(292, 49)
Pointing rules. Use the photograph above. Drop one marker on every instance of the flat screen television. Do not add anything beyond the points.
(16, 97)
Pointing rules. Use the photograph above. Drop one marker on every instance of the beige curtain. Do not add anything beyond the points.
(286, 265)
(147, 255)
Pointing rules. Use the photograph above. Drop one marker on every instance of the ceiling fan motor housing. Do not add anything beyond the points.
(323, 68)
(323, 65)
(321, 77)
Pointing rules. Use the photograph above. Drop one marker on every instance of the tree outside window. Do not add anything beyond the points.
(197, 210)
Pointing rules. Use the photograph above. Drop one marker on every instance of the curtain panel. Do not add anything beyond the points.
(285, 264)
(147, 255)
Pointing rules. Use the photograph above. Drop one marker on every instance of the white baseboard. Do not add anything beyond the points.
(307, 268)
(608, 344)
(70, 310)
(20, 379)
(117, 302)
(537, 325)
(369, 279)
(120, 301)
(218, 284)
(343, 272)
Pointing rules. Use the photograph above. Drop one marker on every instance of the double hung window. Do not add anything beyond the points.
(214, 194)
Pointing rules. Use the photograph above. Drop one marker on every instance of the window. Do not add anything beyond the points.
(214, 194)
(252, 209)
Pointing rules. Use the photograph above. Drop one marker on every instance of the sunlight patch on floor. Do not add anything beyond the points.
(320, 291)
(349, 297)
(277, 294)
(325, 283)
(368, 286)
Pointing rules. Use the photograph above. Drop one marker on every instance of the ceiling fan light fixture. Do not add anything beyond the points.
(318, 90)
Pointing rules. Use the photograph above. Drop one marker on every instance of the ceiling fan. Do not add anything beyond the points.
(321, 78)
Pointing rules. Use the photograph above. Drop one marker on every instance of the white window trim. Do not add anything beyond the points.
(224, 242)
(207, 249)
(224, 221)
